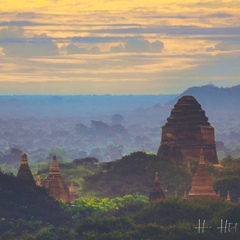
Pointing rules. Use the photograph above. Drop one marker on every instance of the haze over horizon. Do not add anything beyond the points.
(118, 47)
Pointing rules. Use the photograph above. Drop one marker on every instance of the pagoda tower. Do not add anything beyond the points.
(186, 132)
(56, 184)
(202, 182)
(73, 193)
(24, 171)
(157, 193)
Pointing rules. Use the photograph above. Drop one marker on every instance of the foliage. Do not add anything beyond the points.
(135, 173)
(130, 217)
(87, 206)
(88, 161)
(104, 228)
(230, 162)
(51, 232)
(75, 170)
(11, 156)
(172, 219)
(229, 183)
(228, 178)
(27, 207)
(61, 154)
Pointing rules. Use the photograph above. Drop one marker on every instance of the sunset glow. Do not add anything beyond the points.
(138, 47)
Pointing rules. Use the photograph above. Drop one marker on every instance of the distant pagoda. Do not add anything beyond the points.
(24, 171)
(157, 193)
(39, 181)
(73, 193)
(56, 184)
(186, 132)
(202, 182)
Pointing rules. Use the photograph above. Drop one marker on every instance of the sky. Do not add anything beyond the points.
(118, 46)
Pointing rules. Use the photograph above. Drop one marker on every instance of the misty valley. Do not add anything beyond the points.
(105, 127)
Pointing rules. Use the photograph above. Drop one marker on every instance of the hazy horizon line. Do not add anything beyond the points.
(110, 94)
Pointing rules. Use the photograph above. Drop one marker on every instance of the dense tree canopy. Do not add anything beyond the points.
(30, 203)
(135, 173)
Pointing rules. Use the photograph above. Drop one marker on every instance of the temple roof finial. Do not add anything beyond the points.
(24, 159)
(54, 169)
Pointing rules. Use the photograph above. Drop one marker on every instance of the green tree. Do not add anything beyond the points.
(61, 154)
(135, 173)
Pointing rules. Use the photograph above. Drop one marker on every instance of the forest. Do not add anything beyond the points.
(107, 146)
(113, 202)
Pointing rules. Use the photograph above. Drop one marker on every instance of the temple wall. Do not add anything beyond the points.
(207, 134)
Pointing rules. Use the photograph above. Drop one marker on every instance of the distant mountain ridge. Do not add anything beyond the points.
(212, 97)
(222, 107)
(218, 102)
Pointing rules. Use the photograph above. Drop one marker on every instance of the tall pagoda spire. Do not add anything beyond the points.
(54, 169)
(157, 193)
(202, 182)
(24, 171)
(56, 184)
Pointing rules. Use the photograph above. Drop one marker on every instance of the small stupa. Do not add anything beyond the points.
(39, 181)
(73, 193)
(228, 199)
(202, 182)
(56, 184)
(24, 171)
(157, 193)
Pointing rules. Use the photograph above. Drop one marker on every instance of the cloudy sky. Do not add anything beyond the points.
(118, 46)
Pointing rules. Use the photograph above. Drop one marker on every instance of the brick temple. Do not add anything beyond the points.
(186, 132)
(202, 186)
(56, 184)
